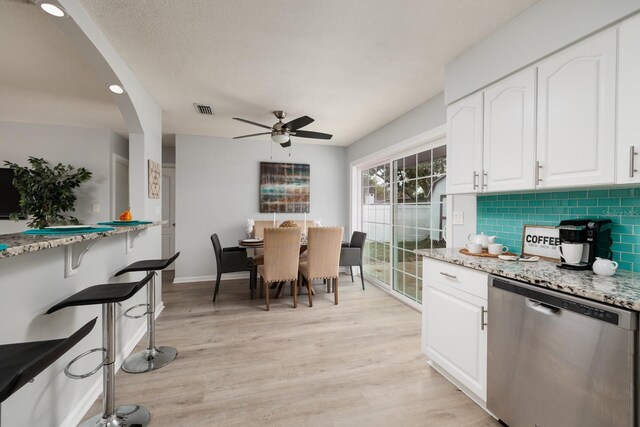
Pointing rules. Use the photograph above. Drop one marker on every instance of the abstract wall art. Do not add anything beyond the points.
(285, 187)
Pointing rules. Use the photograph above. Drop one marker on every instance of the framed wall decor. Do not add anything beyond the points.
(154, 180)
(285, 187)
(542, 241)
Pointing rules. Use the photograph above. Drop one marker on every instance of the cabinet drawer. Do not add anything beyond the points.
(461, 278)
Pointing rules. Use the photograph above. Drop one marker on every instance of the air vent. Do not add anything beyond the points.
(204, 109)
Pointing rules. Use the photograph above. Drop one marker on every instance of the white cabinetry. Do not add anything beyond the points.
(454, 330)
(464, 133)
(629, 102)
(577, 114)
(509, 133)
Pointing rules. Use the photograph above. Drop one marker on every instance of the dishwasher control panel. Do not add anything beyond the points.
(588, 310)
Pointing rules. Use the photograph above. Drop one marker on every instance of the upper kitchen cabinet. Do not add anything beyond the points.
(629, 102)
(509, 133)
(464, 147)
(577, 114)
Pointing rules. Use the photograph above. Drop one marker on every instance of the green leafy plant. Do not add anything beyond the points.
(46, 193)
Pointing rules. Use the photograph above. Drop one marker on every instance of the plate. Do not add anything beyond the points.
(120, 221)
(252, 241)
(69, 227)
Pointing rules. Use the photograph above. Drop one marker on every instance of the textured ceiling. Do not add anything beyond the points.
(353, 65)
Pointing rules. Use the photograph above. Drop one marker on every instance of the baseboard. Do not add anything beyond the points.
(78, 413)
(211, 278)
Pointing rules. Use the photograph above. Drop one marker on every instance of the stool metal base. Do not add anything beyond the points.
(125, 416)
(149, 360)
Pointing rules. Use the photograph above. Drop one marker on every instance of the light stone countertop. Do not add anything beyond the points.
(622, 290)
(23, 243)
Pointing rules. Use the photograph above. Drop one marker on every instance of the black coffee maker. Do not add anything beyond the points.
(595, 236)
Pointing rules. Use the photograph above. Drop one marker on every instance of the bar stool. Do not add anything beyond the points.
(153, 357)
(107, 295)
(20, 363)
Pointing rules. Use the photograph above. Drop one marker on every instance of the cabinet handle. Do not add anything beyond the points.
(475, 180)
(485, 179)
(447, 275)
(538, 167)
(632, 155)
(483, 323)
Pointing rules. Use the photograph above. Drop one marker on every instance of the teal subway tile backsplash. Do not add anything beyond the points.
(503, 215)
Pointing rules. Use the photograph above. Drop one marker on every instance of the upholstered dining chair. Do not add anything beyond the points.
(231, 260)
(351, 253)
(281, 252)
(323, 256)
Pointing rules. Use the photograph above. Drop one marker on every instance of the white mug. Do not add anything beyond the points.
(497, 248)
(571, 252)
(474, 248)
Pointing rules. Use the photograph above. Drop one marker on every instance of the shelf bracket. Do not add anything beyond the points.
(73, 255)
(131, 239)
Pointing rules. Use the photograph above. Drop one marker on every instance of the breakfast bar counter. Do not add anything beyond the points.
(19, 243)
(622, 290)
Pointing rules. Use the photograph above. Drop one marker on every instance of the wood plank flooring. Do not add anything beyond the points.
(355, 364)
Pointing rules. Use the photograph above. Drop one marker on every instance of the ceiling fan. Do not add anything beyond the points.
(281, 132)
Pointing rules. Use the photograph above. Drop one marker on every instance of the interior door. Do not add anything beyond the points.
(120, 194)
(168, 213)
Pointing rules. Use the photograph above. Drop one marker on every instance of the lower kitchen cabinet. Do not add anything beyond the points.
(454, 325)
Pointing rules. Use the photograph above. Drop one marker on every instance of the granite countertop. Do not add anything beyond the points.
(622, 290)
(23, 244)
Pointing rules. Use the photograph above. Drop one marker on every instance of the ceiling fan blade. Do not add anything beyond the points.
(316, 135)
(252, 123)
(298, 123)
(286, 144)
(253, 134)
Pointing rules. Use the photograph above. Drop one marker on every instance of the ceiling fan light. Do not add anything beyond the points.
(52, 9)
(280, 137)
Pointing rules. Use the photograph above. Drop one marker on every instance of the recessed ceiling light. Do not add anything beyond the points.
(117, 89)
(52, 9)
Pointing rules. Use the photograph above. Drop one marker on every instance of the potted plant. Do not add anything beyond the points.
(46, 193)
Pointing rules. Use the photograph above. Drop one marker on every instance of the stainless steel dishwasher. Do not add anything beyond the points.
(559, 360)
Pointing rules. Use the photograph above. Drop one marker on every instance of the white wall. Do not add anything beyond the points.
(217, 190)
(80, 147)
(423, 118)
(169, 155)
(545, 27)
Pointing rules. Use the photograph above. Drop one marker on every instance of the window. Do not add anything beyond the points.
(404, 209)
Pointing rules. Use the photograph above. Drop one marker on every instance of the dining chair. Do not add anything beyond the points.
(323, 257)
(281, 251)
(351, 253)
(231, 260)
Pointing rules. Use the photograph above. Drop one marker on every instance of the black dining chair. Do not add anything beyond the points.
(351, 253)
(231, 260)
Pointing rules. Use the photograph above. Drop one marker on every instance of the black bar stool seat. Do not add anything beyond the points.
(148, 265)
(108, 295)
(22, 362)
(152, 357)
(100, 294)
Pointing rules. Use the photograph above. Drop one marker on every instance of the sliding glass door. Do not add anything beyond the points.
(404, 209)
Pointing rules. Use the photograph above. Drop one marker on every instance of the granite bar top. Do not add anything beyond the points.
(622, 290)
(23, 244)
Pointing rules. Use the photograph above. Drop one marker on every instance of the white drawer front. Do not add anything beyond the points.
(461, 278)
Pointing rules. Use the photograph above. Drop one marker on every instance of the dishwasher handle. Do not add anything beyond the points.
(541, 307)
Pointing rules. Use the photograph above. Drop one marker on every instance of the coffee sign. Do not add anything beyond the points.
(541, 240)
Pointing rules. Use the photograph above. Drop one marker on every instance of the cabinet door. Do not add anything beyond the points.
(577, 113)
(464, 144)
(455, 337)
(629, 102)
(509, 133)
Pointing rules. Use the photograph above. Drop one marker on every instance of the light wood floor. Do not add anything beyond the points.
(355, 364)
